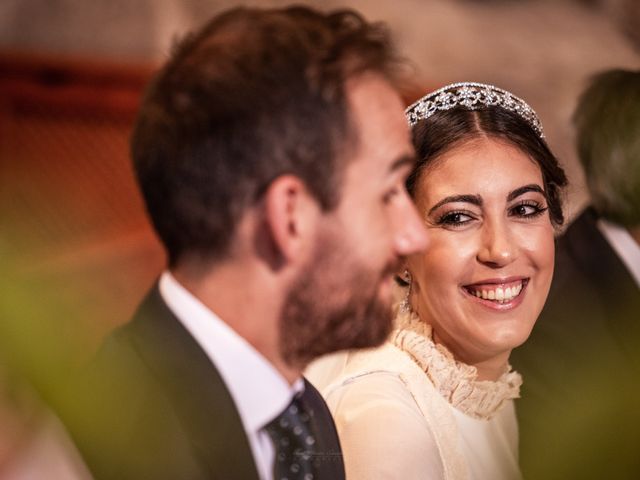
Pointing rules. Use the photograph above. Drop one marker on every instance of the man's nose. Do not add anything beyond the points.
(412, 236)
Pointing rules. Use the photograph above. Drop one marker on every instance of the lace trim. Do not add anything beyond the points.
(455, 381)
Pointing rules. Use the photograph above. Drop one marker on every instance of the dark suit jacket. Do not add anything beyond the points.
(579, 412)
(153, 406)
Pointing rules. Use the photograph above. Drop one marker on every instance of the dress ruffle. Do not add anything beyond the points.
(456, 381)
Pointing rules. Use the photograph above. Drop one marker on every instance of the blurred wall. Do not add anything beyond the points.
(543, 51)
(84, 272)
(70, 215)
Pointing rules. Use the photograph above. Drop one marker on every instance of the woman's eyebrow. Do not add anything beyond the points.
(527, 188)
(474, 199)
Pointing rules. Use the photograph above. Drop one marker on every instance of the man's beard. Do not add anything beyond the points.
(334, 305)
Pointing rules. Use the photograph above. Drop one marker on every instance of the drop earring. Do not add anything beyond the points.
(405, 305)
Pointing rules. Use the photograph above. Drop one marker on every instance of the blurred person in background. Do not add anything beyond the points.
(579, 415)
(271, 151)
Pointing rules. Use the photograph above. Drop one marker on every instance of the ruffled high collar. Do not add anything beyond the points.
(456, 381)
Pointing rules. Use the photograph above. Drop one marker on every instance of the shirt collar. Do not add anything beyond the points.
(258, 390)
(624, 245)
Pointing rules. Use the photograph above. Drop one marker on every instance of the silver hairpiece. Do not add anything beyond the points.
(472, 96)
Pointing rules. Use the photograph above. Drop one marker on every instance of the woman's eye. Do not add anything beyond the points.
(454, 219)
(528, 209)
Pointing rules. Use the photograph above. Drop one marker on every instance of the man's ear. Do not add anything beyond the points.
(291, 213)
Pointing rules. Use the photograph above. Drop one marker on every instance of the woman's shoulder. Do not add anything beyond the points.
(358, 369)
(382, 392)
(375, 381)
(387, 414)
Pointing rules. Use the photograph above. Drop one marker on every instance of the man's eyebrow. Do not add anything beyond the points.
(474, 199)
(407, 160)
(527, 188)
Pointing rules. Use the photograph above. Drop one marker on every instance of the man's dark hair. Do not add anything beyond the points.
(607, 120)
(445, 130)
(253, 95)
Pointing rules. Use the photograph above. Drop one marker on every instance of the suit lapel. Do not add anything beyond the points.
(618, 292)
(330, 463)
(196, 390)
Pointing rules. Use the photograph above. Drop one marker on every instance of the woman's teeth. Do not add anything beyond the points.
(499, 294)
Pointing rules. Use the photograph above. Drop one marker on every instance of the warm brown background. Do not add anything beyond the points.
(71, 73)
(76, 250)
(73, 224)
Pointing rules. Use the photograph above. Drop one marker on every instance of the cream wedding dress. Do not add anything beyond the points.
(408, 410)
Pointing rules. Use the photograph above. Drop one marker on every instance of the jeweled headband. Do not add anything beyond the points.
(472, 96)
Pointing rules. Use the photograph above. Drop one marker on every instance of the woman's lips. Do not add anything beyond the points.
(498, 293)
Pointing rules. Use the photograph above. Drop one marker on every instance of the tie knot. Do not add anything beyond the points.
(293, 439)
(293, 423)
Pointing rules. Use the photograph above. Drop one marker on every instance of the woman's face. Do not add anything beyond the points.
(485, 277)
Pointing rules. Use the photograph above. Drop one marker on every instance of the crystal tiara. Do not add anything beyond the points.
(472, 96)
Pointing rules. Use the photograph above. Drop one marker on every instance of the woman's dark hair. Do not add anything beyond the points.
(447, 129)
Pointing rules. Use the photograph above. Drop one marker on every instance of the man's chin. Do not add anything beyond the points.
(369, 331)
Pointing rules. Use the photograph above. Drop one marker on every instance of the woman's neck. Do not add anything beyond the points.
(492, 369)
(488, 368)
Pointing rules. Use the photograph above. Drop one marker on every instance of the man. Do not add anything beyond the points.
(579, 413)
(271, 151)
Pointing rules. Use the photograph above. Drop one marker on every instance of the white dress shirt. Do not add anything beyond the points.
(259, 391)
(624, 245)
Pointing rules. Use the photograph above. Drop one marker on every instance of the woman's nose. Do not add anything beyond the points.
(497, 248)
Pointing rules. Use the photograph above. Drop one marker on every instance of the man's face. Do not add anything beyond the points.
(342, 299)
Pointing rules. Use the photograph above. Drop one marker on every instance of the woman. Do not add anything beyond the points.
(436, 401)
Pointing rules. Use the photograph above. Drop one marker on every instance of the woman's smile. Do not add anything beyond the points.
(485, 277)
(498, 294)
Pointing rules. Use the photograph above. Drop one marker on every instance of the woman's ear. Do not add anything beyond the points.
(402, 274)
(291, 213)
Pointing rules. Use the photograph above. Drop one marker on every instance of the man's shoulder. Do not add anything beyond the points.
(584, 249)
(588, 271)
(126, 425)
(123, 364)
(154, 406)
